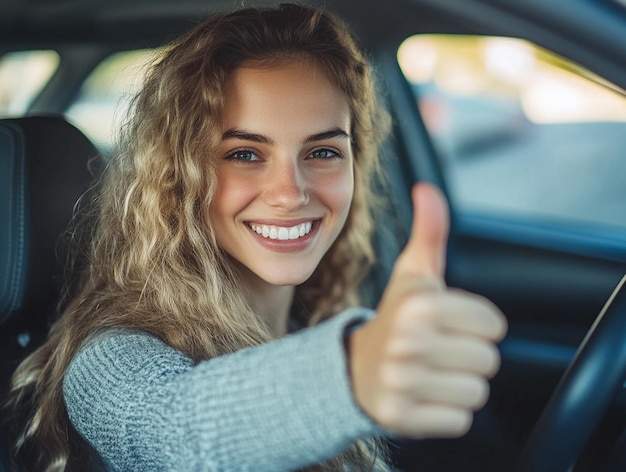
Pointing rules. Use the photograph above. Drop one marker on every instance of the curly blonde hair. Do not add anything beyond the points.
(153, 262)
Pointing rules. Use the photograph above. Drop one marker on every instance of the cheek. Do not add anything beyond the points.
(231, 195)
(338, 193)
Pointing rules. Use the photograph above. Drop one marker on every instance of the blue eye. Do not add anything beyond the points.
(324, 153)
(243, 155)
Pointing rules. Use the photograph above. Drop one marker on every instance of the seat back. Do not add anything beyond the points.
(46, 164)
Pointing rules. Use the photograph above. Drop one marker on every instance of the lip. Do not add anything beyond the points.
(283, 223)
(289, 245)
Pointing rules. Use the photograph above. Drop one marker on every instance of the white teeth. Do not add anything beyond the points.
(282, 233)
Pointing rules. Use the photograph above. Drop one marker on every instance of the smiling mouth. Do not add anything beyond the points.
(282, 233)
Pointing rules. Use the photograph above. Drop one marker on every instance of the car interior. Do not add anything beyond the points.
(516, 110)
(41, 156)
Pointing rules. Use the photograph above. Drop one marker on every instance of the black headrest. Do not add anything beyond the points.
(45, 167)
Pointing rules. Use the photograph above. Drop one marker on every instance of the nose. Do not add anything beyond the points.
(286, 186)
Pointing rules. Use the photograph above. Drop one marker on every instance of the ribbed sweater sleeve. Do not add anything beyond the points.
(279, 406)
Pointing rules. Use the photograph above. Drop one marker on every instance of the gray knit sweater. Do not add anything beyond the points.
(284, 405)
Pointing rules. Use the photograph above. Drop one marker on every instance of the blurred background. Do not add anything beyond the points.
(502, 113)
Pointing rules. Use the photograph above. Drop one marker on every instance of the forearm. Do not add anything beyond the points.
(280, 406)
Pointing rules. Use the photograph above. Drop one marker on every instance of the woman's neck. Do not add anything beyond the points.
(272, 303)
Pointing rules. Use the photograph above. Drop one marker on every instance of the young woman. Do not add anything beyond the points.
(233, 221)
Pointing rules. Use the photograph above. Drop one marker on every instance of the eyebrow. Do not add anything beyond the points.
(235, 133)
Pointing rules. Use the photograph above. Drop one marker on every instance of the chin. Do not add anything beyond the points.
(284, 278)
(286, 281)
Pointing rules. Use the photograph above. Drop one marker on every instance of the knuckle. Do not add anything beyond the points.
(463, 424)
(419, 309)
(493, 362)
(502, 326)
(480, 393)
(410, 351)
(391, 378)
(485, 358)
(390, 413)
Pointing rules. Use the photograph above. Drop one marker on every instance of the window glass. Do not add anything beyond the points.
(520, 132)
(23, 74)
(104, 98)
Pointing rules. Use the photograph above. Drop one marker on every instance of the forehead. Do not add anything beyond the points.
(283, 94)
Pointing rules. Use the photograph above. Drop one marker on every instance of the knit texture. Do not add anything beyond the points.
(281, 406)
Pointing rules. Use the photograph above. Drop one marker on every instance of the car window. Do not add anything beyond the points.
(104, 97)
(519, 131)
(23, 74)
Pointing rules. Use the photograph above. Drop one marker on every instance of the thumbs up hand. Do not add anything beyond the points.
(421, 366)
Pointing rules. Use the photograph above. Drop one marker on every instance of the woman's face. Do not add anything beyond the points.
(284, 172)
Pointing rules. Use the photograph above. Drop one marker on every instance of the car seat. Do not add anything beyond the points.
(46, 164)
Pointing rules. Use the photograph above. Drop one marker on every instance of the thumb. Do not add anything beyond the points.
(425, 252)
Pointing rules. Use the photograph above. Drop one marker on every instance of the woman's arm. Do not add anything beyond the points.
(279, 406)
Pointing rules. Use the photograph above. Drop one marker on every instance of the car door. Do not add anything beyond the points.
(485, 96)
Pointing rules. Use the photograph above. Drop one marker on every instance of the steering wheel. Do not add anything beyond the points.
(584, 393)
